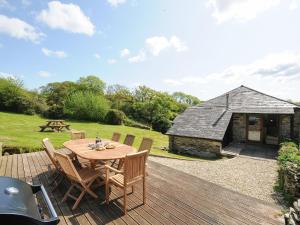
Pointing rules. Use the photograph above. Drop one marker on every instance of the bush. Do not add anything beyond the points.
(161, 124)
(86, 106)
(115, 117)
(54, 112)
(132, 123)
(288, 153)
(14, 98)
(289, 143)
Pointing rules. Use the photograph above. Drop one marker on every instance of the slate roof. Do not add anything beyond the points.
(211, 119)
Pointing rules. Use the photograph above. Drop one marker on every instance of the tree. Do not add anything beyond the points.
(144, 94)
(119, 96)
(15, 98)
(56, 94)
(86, 106)
(91, 83)
(186, 99)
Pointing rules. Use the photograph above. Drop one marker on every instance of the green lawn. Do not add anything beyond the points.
(22, 131)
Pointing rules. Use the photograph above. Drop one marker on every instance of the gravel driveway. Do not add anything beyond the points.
(253, 177)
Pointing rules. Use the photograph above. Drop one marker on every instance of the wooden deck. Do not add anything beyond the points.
(173, 197)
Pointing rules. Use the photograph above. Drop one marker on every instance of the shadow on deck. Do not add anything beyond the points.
(173, 197)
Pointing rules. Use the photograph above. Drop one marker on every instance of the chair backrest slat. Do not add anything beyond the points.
(75, 135)
(134, 165)
(67, 166)
(48, 147)
(116, 137)
(146, 144)
(129, 139)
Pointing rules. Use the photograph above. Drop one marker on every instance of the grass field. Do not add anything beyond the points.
(22, 131)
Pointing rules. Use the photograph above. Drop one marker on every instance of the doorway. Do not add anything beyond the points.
(255, 124)
(271, 129)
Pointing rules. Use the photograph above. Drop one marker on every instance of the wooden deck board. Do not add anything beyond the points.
(173, 197)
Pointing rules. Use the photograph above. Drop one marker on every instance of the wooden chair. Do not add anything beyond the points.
(133, 172)
(50, 150)
(129, 139)
(75, 134)
(82, 178)
(116, 137)
(146, 144)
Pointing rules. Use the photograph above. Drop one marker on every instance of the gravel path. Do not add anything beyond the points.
(253, 177)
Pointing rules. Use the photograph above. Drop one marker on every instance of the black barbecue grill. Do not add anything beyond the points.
(19, 204)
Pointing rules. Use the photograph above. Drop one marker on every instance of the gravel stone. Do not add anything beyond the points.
(249, 176)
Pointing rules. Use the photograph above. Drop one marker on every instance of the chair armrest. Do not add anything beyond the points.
(107, 167)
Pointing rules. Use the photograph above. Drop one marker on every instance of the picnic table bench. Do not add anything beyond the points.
(55, 125)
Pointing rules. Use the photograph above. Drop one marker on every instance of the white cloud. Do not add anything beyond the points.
(140, 57)
(273, 74)
(97, 56)
(1, 45)
(44, 74)
(158, 43)
(294, 4)
(116, 3)
(240, 10)
(19, 29)
(58, 54)
(124, 52)
(179, 45)
(8, 75)
(111, 61)
(67, 17)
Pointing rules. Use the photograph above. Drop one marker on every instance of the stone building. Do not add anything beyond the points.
(241, 115)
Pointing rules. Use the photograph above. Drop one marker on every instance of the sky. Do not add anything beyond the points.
(200, 47)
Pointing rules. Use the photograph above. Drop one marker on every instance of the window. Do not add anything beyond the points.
(253, 120)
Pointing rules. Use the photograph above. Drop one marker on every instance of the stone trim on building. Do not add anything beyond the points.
(239, 127)
(284, 127)
(195, 146)
(296, 133)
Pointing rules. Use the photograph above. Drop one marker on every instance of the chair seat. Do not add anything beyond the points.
(88, 174)
(118, 179)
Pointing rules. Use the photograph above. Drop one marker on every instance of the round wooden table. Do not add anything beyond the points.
(81, 148)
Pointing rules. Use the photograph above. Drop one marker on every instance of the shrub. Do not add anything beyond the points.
(54, 112)
(115, 117)
(132, 123)
(14, 98)
(289, 143)
(161, 124)
(288, 153)
(86, 106)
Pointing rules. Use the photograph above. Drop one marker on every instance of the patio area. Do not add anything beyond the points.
(173, 197)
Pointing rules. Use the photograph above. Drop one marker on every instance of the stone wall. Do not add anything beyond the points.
(239, 127)
(293, 216)
(285, 127)
(297, 125)
(195, 146)
(290, 176)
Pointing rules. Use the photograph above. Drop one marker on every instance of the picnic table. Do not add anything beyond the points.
(55, 125)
